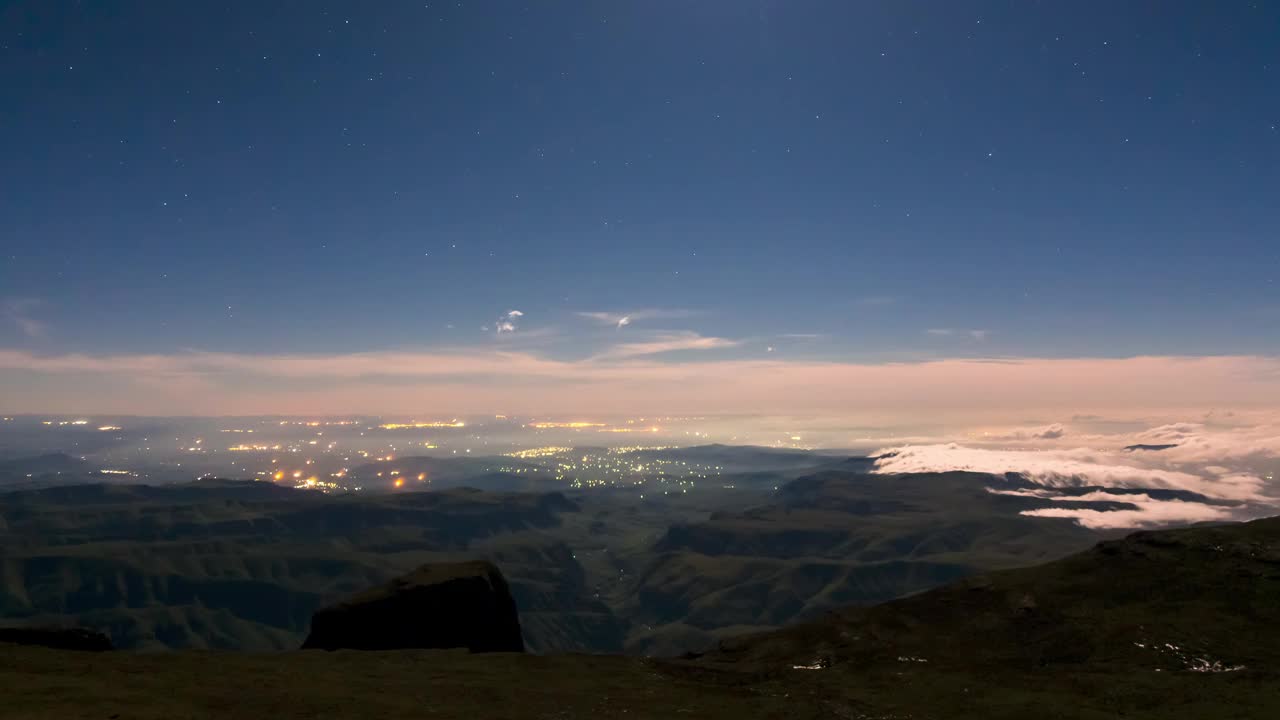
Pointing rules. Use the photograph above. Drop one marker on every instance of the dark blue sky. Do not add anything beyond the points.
(1046, 179)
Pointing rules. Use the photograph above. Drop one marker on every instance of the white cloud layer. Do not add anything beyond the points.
(1148, 514)
(1232, 467)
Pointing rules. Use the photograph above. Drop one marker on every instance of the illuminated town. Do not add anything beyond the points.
(388, 455)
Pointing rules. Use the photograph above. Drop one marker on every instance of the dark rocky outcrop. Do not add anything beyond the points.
(440, 605)
(57, 638)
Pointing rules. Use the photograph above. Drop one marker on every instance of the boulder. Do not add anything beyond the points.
(57, 638)
(439, 605)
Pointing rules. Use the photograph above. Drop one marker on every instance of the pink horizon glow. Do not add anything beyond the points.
(209, 383)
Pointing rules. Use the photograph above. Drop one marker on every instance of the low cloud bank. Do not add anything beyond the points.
(1232, 467)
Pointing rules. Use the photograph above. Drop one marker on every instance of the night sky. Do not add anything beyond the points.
(742, 181)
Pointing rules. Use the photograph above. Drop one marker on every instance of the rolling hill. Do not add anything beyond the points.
(241, 565)
(828, 540)
(1168, 625)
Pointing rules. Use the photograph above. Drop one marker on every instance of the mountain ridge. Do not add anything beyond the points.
(1185, 630)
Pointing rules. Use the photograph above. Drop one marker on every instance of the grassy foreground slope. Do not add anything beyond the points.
(53, 685)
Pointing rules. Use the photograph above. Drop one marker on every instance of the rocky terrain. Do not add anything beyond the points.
(438, 606)
(1175, 624)
(244, 565)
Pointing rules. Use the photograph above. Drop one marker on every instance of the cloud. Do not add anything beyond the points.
(1077, 467)
(1142, 510)
(1218, 465)
(1151, 513)
(622, 319)
(18, 311)
(648, 377)
(1253, 437)
(1054, 431)
(507, 322)
(605, 318)
(953, 332)
(665, 343)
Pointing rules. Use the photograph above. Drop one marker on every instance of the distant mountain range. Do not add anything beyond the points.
(242, 565)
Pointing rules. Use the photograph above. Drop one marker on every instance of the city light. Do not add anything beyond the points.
(421, 425)
(539, 452)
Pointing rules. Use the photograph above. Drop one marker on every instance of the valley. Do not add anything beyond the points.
(1167, 625)
(226, 564)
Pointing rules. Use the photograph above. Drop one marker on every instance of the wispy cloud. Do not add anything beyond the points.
(605, 318)
(665, 343)
(1054, 431)
(953, 332)
(20, 312)
(623, 319)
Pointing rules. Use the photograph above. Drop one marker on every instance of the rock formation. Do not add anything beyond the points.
(440, 605)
